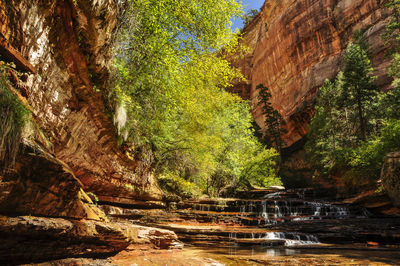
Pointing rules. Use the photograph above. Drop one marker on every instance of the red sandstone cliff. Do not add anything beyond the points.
(70, 145)
(69, 44)
(296, 44)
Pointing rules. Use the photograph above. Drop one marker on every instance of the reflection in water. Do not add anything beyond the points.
(282, 252)
(257, 250)
(289, 238)
(299, 256)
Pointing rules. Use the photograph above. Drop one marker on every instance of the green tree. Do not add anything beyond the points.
(273, 122)
(345, 112)
(249, 16)
(390, 102)
(356, 143)
(359, 85)
(392, 33)
(366, 160)
(331, 132)
(260, 169)
(170, 97)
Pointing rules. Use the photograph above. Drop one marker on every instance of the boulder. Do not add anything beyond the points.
(390, 176)
(42, 185)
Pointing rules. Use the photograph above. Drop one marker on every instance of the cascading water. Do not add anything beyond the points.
(232, 236)
(328, 210)
(284, 218)
(273, 211)
(293, 239)
(289, 238)
(272, 195)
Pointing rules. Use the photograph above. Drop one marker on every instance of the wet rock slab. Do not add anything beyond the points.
(243, 256)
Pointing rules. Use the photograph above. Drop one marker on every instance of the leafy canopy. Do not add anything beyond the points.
(169, 93)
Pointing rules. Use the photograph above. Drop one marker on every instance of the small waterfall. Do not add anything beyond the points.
(251, 207)
(264, 213)
(232, 236)
(202, 207)
(327, 210)
(278, 212)
(272, 195)
(272, 211)
(289, 239)
(293, 239)
(248, 222)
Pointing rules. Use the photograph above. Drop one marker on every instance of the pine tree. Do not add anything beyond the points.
(392, 33)
(274, 122)
(249, 16)
(390, 103)
(331, 129)
(392, 37)
(359, 87)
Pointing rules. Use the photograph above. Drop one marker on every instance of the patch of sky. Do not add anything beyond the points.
(248, 4)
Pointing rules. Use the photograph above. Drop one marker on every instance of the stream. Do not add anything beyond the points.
(291, 227)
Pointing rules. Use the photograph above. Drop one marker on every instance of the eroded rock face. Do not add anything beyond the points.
(296, 44)
(68, 43)
(390, 176)
(42, 185)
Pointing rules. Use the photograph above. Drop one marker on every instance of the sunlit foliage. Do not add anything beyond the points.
(169, 93)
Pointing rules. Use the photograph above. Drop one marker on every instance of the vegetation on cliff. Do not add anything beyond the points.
(273, 122)
(249, 16)
(169, 96)
(13, 118)
(356, 124)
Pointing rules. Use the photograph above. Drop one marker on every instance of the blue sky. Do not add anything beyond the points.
(249, 4)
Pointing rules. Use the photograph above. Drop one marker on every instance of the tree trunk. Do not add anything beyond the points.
(362, 120)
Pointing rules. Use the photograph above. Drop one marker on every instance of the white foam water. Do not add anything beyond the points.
(293, 239)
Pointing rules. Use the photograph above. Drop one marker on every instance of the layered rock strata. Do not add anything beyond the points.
(42, 185)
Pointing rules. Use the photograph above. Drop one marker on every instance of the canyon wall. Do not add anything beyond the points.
(68, 44)
(69, 155)
(294, 45)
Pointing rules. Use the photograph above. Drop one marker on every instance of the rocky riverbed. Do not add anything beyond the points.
(292, 227)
